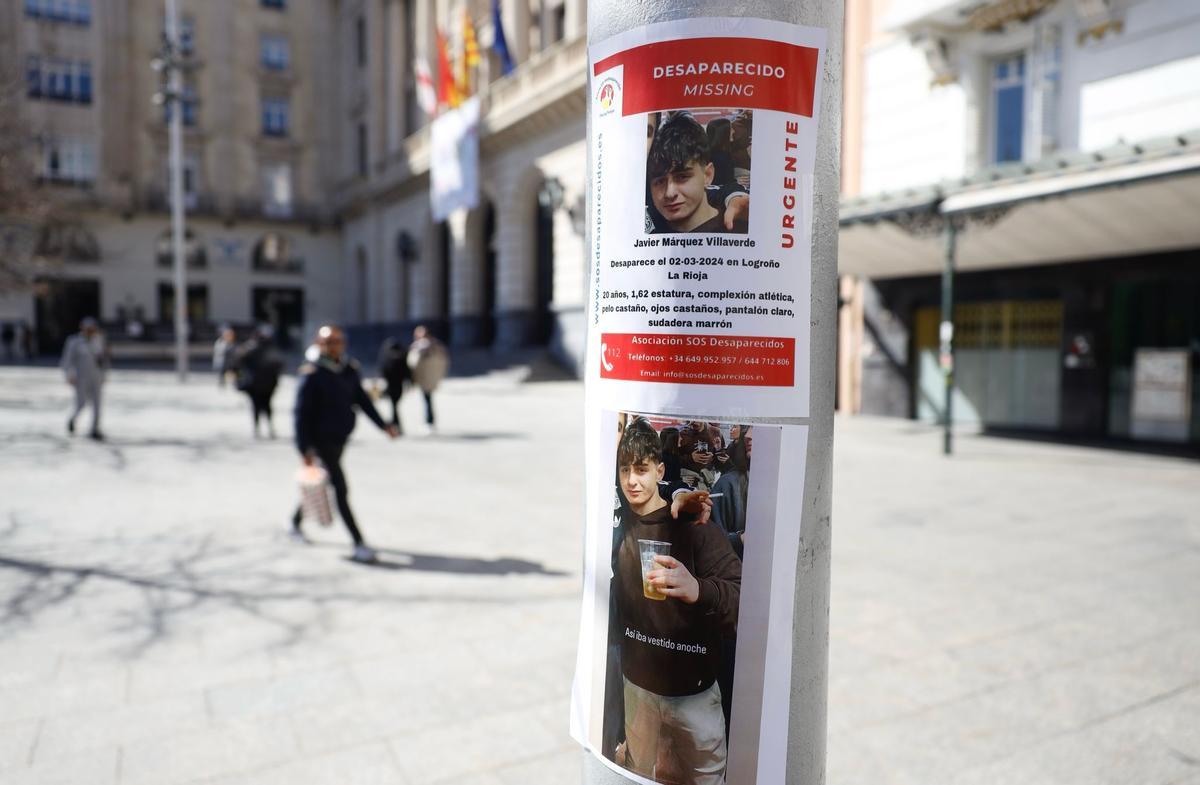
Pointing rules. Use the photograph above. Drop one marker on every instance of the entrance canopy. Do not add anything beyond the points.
(1122, 201)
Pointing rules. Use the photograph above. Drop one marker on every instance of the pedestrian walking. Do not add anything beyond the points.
(428, 360)
(27, 340)
(329, 390)
(258, 366)
(393, 369)
(224, 349)
(85, 363)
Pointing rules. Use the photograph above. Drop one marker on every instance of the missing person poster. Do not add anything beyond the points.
(703, 139)
(703, 136)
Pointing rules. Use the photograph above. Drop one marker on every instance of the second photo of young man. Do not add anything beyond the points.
(677, 589)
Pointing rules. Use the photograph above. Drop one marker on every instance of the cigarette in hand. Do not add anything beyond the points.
(715, 495)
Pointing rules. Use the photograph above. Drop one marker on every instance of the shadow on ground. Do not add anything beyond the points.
(477, 436)
(171, 593)
(390, 559)
(43, 448)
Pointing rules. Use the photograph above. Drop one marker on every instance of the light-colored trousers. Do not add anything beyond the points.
(692, 725)
(87, 393)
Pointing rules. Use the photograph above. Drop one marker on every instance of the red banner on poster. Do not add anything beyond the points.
(698, 359)
(749, 73)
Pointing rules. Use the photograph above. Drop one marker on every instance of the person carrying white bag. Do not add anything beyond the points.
(329, 390)
(314, 495)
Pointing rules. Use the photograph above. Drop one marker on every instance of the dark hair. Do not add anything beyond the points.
(680, 141)
(639, 443)
(738, 459)
(719, 131)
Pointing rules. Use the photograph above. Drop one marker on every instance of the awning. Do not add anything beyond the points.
(1129, 200)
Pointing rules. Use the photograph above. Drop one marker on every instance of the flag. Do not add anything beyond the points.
(470, 42)
(447, 92)
(454, 160)
(426, 89)
(499, 42)
(468, 57)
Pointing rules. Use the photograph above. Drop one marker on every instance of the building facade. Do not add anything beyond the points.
(1043, 157)
(510, 272)
(260, 159)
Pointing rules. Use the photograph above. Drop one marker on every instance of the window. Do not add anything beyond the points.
(52, 79)
(557, 24)
(188, 102)
(1008, 109)
(78, 12)
(362, 150)
(197, 303)
(273, 253)
(191, 181)
(275, 117)
(274, 53)
(187, 35)
(548, 24)
(191, 173)
(277, 190)
(360, 40)
(68, 161)
(194, 253)
(189, 184)
(279, 4)
(67, 240)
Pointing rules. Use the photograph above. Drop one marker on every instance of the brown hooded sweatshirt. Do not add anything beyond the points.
(667, 646)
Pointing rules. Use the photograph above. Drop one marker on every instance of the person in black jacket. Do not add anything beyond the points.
(393, 369)
(672, 615)
(258, 366)
(329, 390)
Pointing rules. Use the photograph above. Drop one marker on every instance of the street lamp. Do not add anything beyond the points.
(169, 60)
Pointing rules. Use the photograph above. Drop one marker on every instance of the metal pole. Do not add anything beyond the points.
(810, 631)
(175, 102)
(946, 338)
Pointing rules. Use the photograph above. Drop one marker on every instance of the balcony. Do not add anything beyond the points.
(251, 209)
(915, 13)
(548, 89)
(544, 92)
(156, 200)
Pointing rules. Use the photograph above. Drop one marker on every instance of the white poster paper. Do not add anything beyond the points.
(1162, 394)
(703, 137)
(703, 140)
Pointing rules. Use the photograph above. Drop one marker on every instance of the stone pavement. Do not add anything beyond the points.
(1023, 613)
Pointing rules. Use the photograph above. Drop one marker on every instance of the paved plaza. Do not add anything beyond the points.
(1023, 613)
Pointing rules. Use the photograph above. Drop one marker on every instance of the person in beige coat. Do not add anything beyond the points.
(429, 361)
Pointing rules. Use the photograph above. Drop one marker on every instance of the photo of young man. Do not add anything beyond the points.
(679, 176)
(725, 195)
(677, 586)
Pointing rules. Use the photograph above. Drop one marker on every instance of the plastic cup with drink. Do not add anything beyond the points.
(648, 549)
